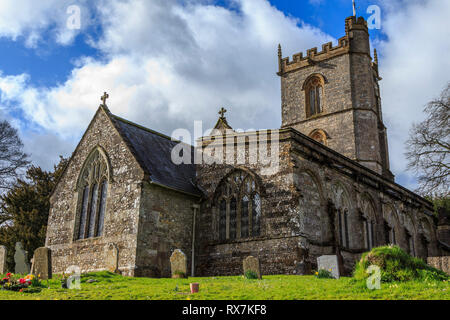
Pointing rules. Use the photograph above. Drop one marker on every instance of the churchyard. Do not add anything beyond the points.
(401, 277)
(110, 286)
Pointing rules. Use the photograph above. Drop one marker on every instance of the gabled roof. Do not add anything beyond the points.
(153, 151)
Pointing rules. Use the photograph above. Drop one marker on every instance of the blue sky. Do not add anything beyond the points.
(164, 62)
(50, 63)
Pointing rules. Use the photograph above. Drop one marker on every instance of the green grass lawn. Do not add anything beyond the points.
(115, 287)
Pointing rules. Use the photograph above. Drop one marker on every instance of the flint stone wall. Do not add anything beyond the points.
(296, 212)
(122, 208)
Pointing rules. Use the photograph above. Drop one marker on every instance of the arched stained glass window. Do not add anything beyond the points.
(93, 190)
(239, 206)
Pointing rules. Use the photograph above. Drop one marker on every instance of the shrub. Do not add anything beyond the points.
(396, 265)
(250, 274)
(324, 274)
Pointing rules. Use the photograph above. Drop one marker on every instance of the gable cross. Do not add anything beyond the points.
(104, 97)
(222, 112)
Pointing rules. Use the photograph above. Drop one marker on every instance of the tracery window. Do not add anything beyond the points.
(239, 207)
(314, 96)
(92, 190)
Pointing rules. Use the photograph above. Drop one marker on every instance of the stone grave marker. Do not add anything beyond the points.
(178, 264)
(3, 259)
(20, 259)
(329, 263)
(112, 258)
(253, 264)
(42, 263)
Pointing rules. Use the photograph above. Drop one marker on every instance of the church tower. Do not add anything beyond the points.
(333, 97)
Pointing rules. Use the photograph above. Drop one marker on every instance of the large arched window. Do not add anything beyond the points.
(314, 95)
(92, 190)
(238, 201)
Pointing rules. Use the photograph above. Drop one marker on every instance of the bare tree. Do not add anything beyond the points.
(12, 157)
(429, 147)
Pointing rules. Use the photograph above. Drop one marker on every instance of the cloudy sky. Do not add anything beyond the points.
(166, 63)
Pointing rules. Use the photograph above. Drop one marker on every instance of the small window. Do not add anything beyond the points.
(319, 136)
(314, 96)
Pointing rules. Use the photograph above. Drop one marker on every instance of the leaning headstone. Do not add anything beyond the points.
(3, 259)
(42, 263)
(178, 264)
(112, 258)
(20, 259)
(252, 264)
(329, 263)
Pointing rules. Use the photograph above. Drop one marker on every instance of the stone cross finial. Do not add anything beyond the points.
(104, 97)
(222, 113)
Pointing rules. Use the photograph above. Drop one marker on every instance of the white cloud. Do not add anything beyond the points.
(169, 63)
(414, 65)
(31, 19)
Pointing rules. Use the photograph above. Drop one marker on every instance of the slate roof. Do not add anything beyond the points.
(153, 151)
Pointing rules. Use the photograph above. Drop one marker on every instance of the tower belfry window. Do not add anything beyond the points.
(314, 96)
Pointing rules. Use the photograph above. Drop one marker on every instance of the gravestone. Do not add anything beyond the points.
(3, 259)
(329, 263)
(303, 267)
(178, 264)
(252, 264)
(20, 259)
(42, 263)
(112, 258)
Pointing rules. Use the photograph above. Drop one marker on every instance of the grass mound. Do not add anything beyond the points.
(396, 265)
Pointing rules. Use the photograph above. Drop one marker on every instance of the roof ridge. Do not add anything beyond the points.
(145, 128)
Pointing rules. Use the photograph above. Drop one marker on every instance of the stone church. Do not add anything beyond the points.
(122, 196)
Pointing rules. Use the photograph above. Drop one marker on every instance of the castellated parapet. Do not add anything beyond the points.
(355, 30)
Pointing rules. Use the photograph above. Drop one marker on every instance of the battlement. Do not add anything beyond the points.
(353, 23)
(313, 56)
(328, 51)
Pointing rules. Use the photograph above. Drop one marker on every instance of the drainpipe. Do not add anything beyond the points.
(195, 207)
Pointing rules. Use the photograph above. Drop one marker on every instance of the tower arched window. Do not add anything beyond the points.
(314, 95)
(320, 136)
(239, 207)
(92, 190)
